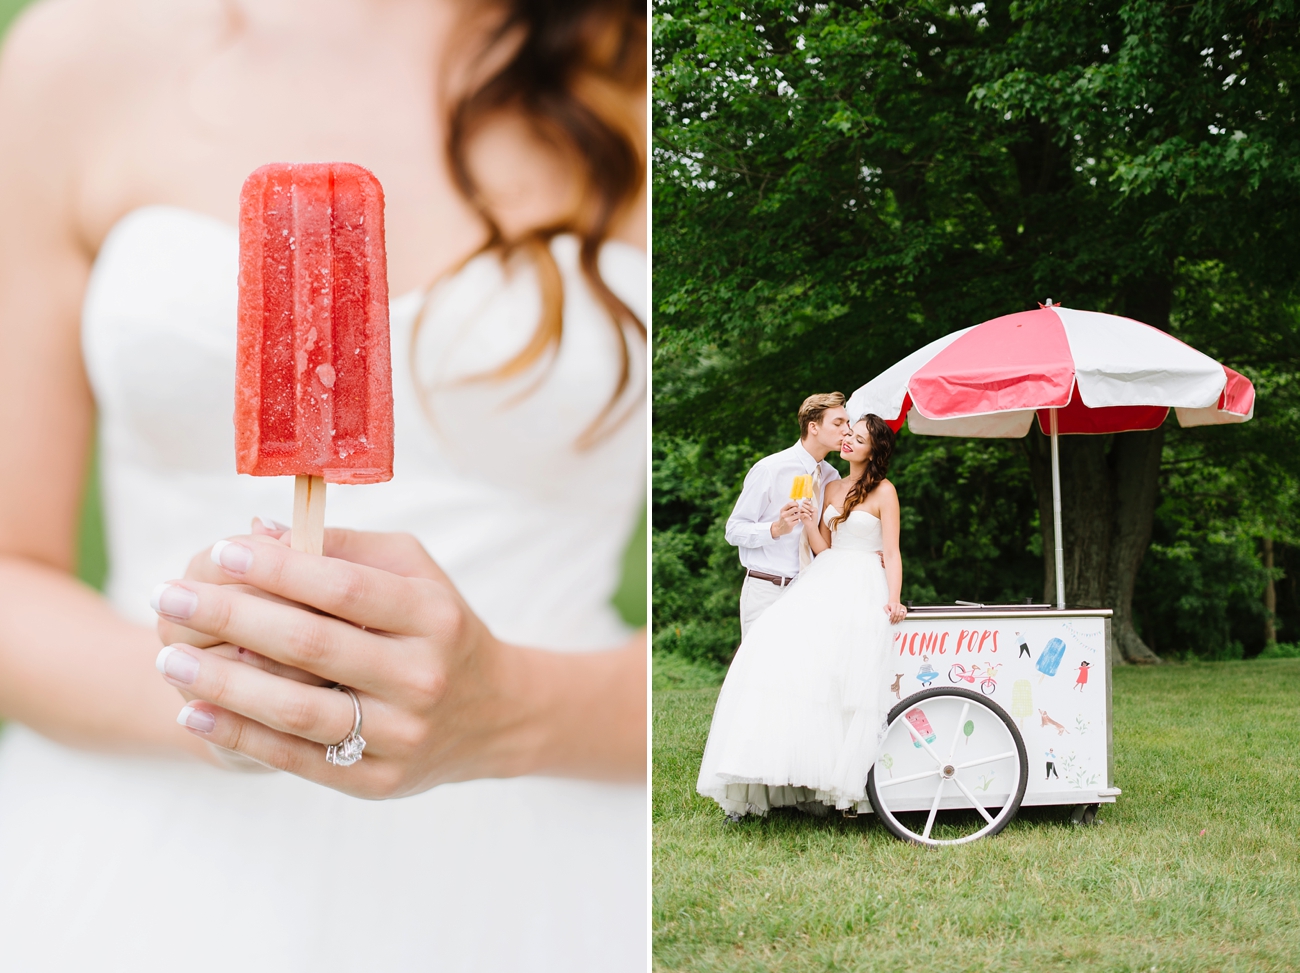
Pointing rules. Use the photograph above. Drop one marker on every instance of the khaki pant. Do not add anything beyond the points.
(756, 597)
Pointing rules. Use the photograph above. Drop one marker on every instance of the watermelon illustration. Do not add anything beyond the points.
(921, 725)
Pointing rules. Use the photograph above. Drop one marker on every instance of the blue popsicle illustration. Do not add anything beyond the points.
(1049, 660)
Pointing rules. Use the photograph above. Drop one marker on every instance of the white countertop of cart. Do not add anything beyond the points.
(1048, 668)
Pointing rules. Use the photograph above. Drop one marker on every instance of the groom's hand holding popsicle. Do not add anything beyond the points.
(798, 509)
(787, 520)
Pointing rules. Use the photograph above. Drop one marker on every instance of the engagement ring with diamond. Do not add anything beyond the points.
(348, 750)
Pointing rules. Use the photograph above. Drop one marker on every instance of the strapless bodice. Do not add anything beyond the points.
(541, 874)
(487, 475)
(859, 531)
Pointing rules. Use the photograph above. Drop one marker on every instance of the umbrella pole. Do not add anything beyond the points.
(1056, 515)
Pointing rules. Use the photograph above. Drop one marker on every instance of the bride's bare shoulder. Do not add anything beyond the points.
(76, 74)
(78, 50)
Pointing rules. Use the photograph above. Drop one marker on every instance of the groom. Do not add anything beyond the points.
(765, 522)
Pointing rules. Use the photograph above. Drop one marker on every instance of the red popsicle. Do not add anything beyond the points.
(313, 387)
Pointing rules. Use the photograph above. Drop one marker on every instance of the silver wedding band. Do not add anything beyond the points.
(348, 750)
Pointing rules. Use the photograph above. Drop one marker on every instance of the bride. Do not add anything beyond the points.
(801, 714)
(501, 693)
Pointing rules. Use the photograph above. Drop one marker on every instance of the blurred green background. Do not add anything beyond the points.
(8, 8)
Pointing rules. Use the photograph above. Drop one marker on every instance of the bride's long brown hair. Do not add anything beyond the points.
(564, 67)
(882, 451)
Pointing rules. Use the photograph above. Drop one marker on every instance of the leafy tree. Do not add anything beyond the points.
(837, 184)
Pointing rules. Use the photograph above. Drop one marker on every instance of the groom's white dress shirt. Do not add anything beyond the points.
(766, 491)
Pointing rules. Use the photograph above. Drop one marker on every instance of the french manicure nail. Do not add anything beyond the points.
(173, 600)
(196, 719)
(176, 664)
(271, 524)
(233, 557)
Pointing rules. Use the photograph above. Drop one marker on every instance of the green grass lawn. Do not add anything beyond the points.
(1197, 867)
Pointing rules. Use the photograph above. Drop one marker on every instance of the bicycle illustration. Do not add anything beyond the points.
(987, 684)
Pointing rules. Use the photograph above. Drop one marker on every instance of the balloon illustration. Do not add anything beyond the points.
(968, 729)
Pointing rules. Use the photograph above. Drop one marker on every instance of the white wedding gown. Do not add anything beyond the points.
(802, 712)
(133, 864)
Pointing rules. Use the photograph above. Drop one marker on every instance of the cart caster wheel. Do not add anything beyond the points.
(951, 750)
(1084, 815)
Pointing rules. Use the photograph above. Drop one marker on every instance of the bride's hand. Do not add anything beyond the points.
(398, 553)
(896, 611)
(201, 568)
(807, 515)
(441, 698)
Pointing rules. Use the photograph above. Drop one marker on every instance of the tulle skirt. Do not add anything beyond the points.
(801, 714)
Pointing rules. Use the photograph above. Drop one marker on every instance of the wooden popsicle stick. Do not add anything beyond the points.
(308, 514)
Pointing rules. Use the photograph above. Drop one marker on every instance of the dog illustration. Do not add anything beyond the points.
(1048, 721)
(898, 681)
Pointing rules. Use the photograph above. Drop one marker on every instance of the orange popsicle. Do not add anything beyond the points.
(313, 388)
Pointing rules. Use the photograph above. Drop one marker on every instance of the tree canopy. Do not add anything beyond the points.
(837, 184)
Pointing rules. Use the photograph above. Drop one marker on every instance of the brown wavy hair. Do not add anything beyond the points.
(882, 451)
(564, 67)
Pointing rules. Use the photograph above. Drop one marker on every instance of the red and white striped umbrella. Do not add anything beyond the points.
(1102, 373)
(1078, 371)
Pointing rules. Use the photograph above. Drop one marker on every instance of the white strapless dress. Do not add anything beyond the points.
(115, 863)
(802, 712)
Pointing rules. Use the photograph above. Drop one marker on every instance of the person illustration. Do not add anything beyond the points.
(765, 523)
(1083, 676)
(1051, 766)
(1024, 647)
(927, 673)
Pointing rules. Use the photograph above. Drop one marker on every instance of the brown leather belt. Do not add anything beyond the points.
(776, 579)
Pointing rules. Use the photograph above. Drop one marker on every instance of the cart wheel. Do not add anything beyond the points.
(1084, 814)
(950, 750)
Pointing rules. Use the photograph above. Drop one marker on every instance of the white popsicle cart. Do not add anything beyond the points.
(1005, 706)
(999, 707)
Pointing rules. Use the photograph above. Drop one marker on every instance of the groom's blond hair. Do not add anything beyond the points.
(815, 406)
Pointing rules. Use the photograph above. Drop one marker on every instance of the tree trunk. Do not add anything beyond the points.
(1270, 596)
(1109, 487)
(1108, 496)
(1135, 466)
(1085, 515)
